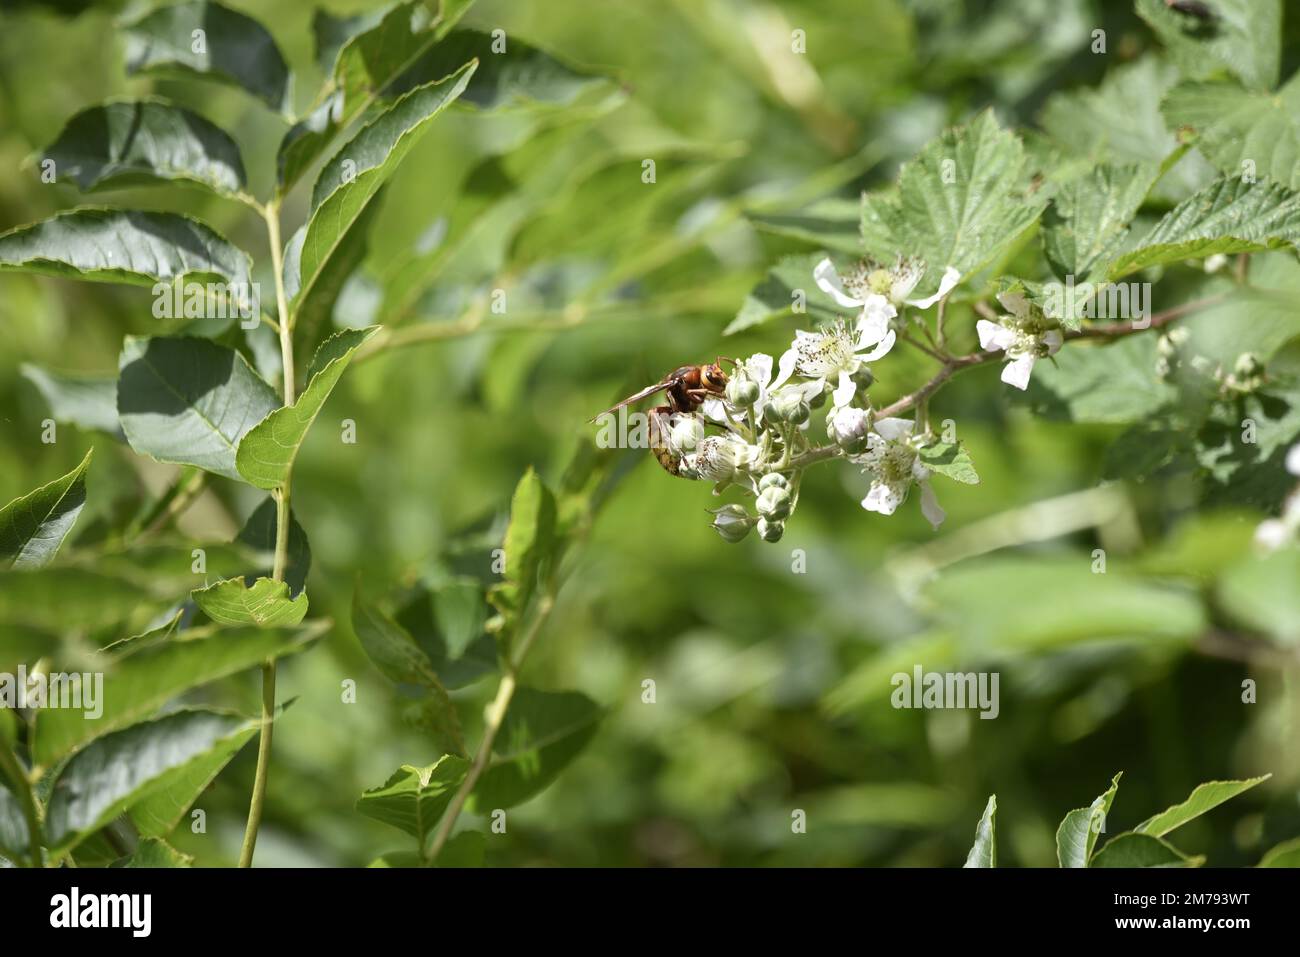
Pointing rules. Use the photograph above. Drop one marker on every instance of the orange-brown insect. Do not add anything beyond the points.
(687, 387)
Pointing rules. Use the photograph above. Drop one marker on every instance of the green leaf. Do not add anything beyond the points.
(189, 401)
(1206, 797)
(1242, 131)
(1094, 382)
(115, 772)
(521, 75)
(984, 852)
(157, 814)
(960, 203)
(15, 838)
(787, 290)
(394, 652)
(1131, 849)
(971, 599)
(413, 799)
(259, 533)
(267, 452)
(1260, 593)
(1228, 216)
(460, 613)
(1242, 36)
(830, 223)
(364, 67)
(465, 849)
(399, 859)
(264, 604)
(208, 40)
(1077, 835)
(129, 143)
(1119, 122)
(331, 33)
(63, 598)
(88, 402)
(351, 178)
(951, 459)
(154, 853)
(529, 543)
(33, 527)
(127, 246)
(1088, 218)
(542, 733)
(142, 682)
(1286, 854)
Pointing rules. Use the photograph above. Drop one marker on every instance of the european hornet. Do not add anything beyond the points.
(686, 389)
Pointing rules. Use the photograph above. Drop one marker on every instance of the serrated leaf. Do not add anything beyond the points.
(1111, 382)
(34, 526)
(1088, 217)
(394, 652)
(205, 39)
(259, 533)
(1286, 854)
(1131, 849)
(961, 202)
(154, 853)
(1242, 131)
(127, 246)
(364, 66)
(413, 799)
(1077, 835)
(951, 459)
(350, 180)
(86, 401)
(137, 685)
(115, 772)
(189, 401)
(1119, 122)
(264, 604)
(267, 451)
(1228, 216)
(1204, 798)
(127, 143)
(787, 290)
(1242, 36)
(984, 852)
(542, 733)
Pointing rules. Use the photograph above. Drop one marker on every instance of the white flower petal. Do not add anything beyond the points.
(1053, 339)
(950, 279)
(759, 367)
(845, 391)
(1014, 303)
(1016, 372)
(882, 348)
(885, 497)
(788, 360)
(714, 410)
(873, 323)
(930, 506)
(993, 336)
(828, 281)
(893, 429)
(1271, 534)
(1293, 459)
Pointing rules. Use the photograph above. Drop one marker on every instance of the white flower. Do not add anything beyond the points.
(856, 289)
(835, 354)
(1273, 533)
(1293, 459)
(894, 465)
(1020, 337)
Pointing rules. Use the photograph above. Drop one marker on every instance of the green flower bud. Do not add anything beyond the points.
(772, 414)
(773, 479)
(791, 407)
(742, 391)
(863, 378)
(770, 531)
(774, 503)
(732, 522)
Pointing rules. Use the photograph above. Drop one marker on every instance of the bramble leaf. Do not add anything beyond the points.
(34, 526)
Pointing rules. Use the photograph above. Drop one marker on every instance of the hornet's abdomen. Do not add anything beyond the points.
(660, 443)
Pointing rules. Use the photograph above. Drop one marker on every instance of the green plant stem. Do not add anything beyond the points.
(12, 769)
(282, 520)
(495, 717)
